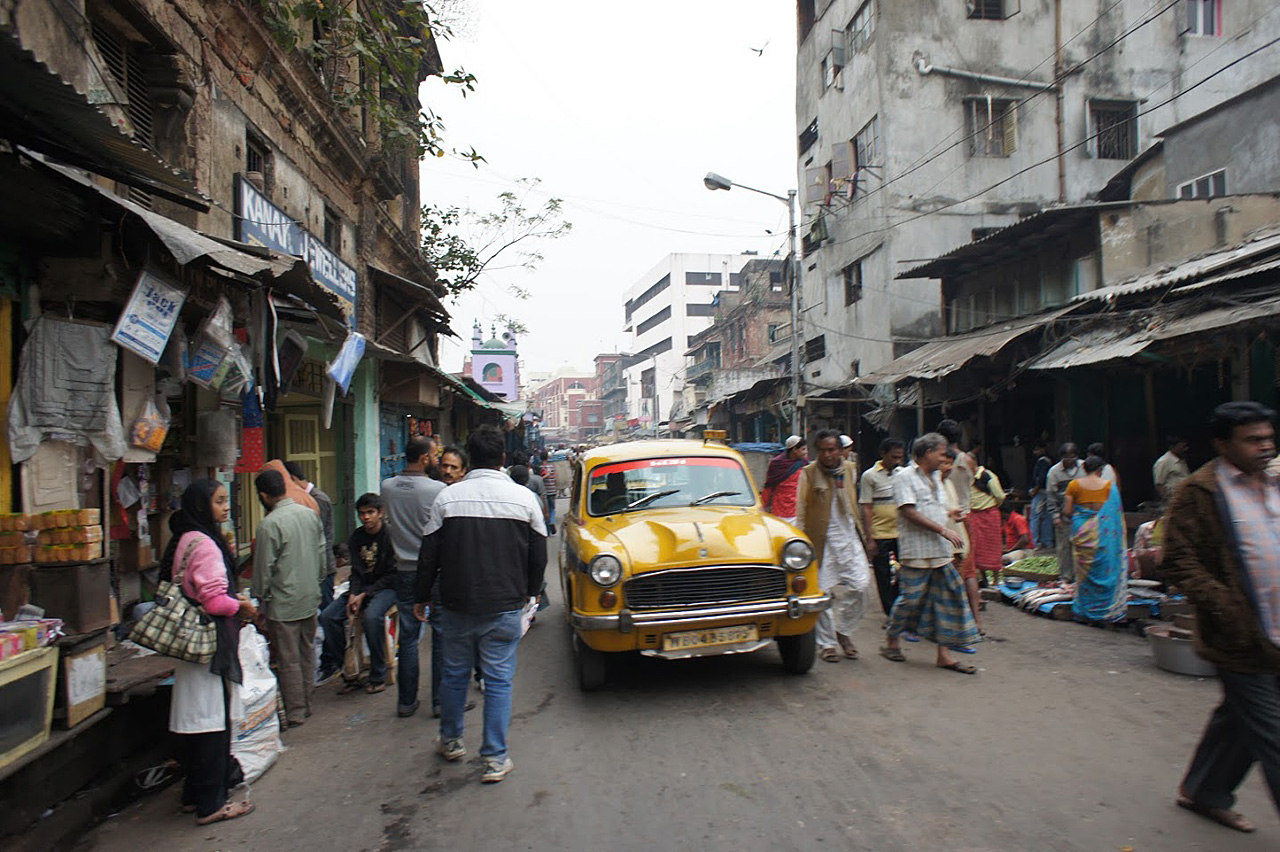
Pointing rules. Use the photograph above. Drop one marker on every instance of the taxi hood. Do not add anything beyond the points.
(662, 538)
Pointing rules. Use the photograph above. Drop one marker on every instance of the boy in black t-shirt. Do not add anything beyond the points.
(370, 594)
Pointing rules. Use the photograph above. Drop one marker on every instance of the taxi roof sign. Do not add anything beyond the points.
(715, 435)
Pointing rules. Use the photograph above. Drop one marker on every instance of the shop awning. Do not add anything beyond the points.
(1112, 344)
(284, 272)
(424, 297)
(941, 357)
(41, 111)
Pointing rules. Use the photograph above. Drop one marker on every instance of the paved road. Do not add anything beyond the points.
(1068, 739)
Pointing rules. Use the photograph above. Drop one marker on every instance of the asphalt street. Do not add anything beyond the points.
(1069, 738)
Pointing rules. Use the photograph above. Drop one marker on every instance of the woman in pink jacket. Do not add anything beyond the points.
(199, 559)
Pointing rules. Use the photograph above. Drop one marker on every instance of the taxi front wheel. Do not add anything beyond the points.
(592, 665)
(798, 652)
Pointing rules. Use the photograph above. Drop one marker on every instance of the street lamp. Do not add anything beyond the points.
(714, 181)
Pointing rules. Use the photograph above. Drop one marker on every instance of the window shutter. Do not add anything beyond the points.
(815, 184)
(1091, 129)
(1010, 128)
(841, 163)
(837, 48)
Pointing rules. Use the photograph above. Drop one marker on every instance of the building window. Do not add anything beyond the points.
(709, 279)
(1113, 131)
(992, 125)
(654, 321)
(986, 10)
(833, 62)
(1202, 17)
(774, 332)
(693, 310)
(852, 275)
(332, 229)
(775, 281)
(648, 294)
(817, 183)
(866, 152)
(862, 26)
(815, 348)
(124, 62)
(1205, 186)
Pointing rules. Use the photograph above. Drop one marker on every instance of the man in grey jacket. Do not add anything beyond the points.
(407, 499)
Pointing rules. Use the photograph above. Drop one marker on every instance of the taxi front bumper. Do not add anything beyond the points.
(626, 620)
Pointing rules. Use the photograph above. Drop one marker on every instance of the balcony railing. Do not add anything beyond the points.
(702, 368)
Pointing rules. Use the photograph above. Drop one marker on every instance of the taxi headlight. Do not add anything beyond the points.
(606, 570)
(796, 555)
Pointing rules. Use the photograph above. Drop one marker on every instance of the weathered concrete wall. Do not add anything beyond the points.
(1242, 137)
(935, 193)
(1150, 236)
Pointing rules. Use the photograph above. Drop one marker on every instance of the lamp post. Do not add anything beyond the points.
(715, 181)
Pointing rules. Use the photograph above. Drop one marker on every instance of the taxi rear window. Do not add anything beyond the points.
(667, 482)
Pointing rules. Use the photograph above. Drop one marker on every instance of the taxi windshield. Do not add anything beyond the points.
(667, 482)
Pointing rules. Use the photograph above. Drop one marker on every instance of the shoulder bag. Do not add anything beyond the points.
(177, 627)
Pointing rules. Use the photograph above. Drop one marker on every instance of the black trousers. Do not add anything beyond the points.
(208, 763)
(1245, 728)
(886, 584)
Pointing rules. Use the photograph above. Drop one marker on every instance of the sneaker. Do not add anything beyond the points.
(496, 770)
(451, 749)
(405, 712)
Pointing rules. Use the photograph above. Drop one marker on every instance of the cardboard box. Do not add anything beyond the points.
(131, 556)
(82, 681)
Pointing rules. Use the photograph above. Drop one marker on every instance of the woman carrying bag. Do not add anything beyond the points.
(200, 562)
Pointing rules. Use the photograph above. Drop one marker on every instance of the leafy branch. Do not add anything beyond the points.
(504, 239)
(371, 55)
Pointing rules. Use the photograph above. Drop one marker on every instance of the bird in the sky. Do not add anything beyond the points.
(759, 51)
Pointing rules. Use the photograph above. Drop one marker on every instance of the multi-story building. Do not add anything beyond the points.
(926, 124)
(560, 400)
(747, 336)
(664, 309)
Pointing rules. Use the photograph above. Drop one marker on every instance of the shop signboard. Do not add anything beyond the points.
(147, 321)
(261, 223)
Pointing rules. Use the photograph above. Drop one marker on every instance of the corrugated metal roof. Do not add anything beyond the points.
(1234, 275)
(1092, 347)
(1190, 270)
(41, 111)
(1113, 344)
(937, 359)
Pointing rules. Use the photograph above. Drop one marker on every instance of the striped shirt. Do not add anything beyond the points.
(917, 546)
(1254, 506)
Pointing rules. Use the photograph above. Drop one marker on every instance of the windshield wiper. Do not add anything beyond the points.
(713, 495)
(636, 504)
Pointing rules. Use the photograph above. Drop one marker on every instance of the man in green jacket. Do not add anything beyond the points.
(288, 567)
(1222, 548)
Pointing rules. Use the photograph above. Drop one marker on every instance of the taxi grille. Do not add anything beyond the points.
(704, 587)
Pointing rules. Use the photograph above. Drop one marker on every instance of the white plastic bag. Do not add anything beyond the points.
(527, 613)
(256, 741)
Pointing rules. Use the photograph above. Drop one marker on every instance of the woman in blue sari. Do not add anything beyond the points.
(1097, 537)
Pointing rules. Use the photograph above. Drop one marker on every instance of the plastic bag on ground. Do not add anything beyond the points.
(256, 740)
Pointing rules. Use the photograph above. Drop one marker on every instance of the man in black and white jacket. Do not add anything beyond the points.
(487, 543)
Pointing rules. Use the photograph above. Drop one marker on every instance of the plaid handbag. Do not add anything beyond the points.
(177, 627)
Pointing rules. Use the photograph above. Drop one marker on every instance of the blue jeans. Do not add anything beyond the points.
(326, 592)
(334, 621)
(1041, 521)
(407, 650)
(491, 641)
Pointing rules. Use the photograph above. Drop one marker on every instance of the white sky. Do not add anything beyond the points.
(620, 113)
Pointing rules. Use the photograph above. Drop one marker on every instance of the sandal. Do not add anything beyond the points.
(829, 655)
(231, 810)
(1222, 816)
(375, 688)
(962, 668)
(349, 686)
(893, 654)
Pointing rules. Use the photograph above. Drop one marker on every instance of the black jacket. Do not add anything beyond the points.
(373, 561)
(486, 542)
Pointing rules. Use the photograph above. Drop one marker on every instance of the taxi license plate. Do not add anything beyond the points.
(711, 636)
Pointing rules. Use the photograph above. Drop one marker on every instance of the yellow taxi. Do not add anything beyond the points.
(666, 551)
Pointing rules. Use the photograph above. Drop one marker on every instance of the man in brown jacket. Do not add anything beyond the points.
(827, 511)
(1222, 548)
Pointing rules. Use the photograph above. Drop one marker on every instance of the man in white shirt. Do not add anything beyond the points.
(1171, 468)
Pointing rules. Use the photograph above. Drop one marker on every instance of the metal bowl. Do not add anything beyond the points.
(1177, 655)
